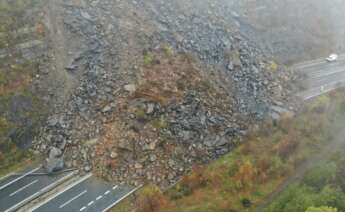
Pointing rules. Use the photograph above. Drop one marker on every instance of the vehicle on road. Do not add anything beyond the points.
(332, 58)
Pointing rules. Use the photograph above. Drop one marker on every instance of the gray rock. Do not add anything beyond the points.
(54, 164)
(138, 166)
(106, 109)
(87, 168)
(54, 153)
(130, 88)
(150, 108)
(113, 155)
(153, 158)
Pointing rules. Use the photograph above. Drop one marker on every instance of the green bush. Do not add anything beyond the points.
(320, 176)
(322, 209)
(296, 198)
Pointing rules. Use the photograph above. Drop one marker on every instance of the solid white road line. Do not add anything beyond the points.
(315, 62)
(35, 195)
(74, 198)
(119, 200)
(24, 187)
(326, 73)
(13, 208)
(19, 178)
(6, 176)
(57, 194)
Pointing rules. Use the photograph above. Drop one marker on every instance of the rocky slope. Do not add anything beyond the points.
(22, 110)
(149, 88)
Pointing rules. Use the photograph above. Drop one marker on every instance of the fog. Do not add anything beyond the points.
(294, 30)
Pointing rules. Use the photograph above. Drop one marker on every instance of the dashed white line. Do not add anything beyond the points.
(57, 194)
(22, 188)
(119, 200)
(21, 177)
(107, 192)
(20, 203)
(115, 187)
(74, 198)
(83, 208)
(99, 197)
(90, 203)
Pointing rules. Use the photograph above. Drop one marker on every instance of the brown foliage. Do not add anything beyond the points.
(152, 200)
(246, 174)
(194, 181)
(288, 146)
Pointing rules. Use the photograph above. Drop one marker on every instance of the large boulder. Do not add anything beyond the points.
(55, 161)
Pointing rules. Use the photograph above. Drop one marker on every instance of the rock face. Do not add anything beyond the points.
(159, 88)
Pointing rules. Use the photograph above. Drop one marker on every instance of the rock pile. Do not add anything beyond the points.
(139, 113)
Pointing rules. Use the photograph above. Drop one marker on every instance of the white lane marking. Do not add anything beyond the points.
(83, 208)
(16, 205)
(315, 62)
(35, 195)
(114, 187)
(19, 178)
(6, 176)
(107, 192)
(122, 198)
(326, 73)
(24, 187)
(90, 203)
(99, 197)
(74, 198)
(56, 194)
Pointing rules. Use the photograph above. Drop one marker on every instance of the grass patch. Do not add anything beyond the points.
(15, 161)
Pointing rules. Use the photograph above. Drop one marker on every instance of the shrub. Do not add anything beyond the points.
(340, 174)
(148, 58)
(152, 200)
(246, 175)
(320, 176)
(321, 209)
(287, 147)
(193, 181)
(246, 203)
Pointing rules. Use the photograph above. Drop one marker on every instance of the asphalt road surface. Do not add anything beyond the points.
(16, 189)
(88, 194)
(321, 76)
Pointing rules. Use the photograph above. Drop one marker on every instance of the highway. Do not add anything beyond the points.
(87, 194)
(17, 189)
(321, 76)
(83, 193)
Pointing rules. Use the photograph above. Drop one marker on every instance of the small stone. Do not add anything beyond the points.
(113, 155)
(130, 88)
(106, 109)
(87, 168)
(150, 108)
(138, 166)
(153, 158)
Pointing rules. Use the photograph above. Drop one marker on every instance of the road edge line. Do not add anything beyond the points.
(19, 178)
(122, 198)
(57, 194)
(37, 194)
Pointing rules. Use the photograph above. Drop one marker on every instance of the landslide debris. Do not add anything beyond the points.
(158, 88)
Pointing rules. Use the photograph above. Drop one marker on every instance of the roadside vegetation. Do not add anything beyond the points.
(20, 109)
(321, 186)
(243, 179)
